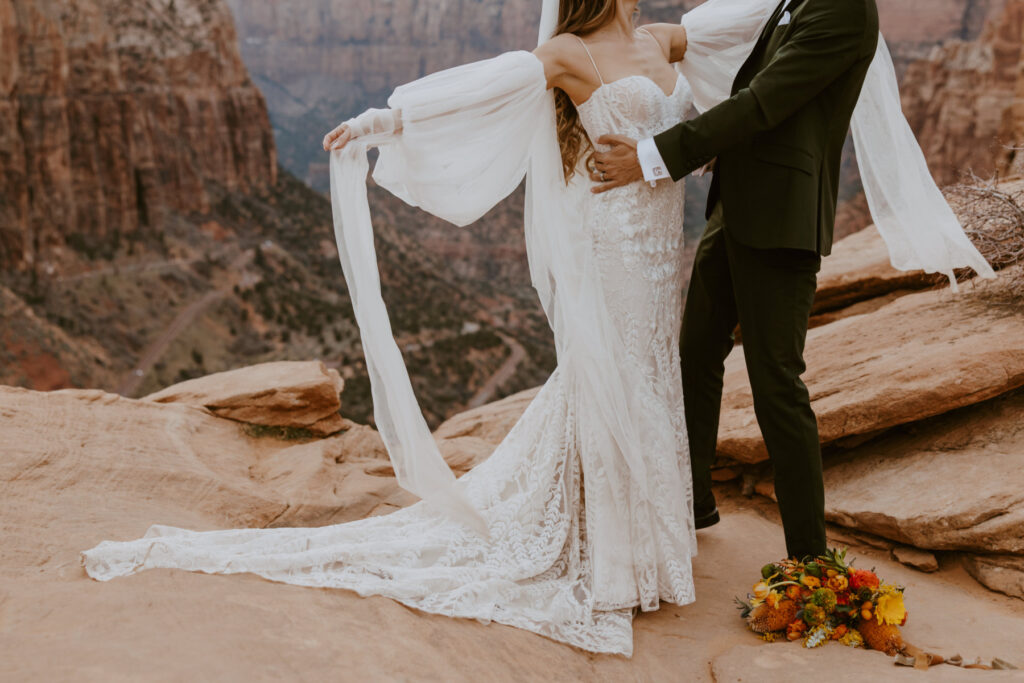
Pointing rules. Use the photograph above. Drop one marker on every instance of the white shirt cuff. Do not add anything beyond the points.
(650, 161)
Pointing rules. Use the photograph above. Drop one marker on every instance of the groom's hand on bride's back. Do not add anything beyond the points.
(617, 167)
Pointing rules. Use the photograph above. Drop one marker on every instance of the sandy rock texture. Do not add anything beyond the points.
(921, 355)
(79, 467)
(859, 269)
(965, 101)
(1003, 573)
(952, 483)
(290, 394)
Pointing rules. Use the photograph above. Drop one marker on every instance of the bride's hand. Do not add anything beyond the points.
(338, 138)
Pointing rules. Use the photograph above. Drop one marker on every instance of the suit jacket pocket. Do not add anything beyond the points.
(784, 155)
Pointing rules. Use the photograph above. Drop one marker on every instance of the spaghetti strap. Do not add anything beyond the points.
(651, 36)
(596, 70)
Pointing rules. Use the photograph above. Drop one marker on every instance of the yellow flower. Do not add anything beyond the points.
(838, 583)
(811, 581)
(890, 608)
(761, 590)
(852, 638)
(773, 599)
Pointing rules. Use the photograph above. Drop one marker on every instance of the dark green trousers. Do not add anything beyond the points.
(769, 293)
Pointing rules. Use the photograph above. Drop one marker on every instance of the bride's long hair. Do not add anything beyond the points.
(579, 17)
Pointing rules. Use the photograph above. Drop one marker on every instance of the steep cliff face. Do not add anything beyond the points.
(147, 235)
(112, 113)
(966, 100)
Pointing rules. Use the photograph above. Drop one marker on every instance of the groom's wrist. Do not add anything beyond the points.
(651, 163)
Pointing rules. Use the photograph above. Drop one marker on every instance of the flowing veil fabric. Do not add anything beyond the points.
(917, 224)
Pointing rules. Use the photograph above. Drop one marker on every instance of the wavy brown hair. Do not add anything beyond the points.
(580, 17)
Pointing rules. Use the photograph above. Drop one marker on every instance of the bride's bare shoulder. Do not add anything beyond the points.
(562, 48)
(564, 60)
(671, 38)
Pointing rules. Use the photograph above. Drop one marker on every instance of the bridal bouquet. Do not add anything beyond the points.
(826, 599)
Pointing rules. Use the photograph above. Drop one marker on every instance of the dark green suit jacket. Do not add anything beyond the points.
(779, 138)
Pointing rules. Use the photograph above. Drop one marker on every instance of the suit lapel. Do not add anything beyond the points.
(767, 30)
(761, 40)
(765, 39)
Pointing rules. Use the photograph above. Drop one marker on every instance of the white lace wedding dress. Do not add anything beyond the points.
(561, 558)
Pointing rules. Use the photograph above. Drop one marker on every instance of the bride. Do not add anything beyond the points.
(583, 513)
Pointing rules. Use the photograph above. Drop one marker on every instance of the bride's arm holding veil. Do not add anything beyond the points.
(559, 56)
(454, 143)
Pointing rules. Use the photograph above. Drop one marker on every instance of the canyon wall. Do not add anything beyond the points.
(147, 235)
(966, 100)
(113, 112)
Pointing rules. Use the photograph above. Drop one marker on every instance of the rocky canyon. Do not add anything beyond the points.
(148, 234)
(116, 114)
(966, 100)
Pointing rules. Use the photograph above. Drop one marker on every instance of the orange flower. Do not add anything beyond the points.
(761, 590)
(773, 599)
(839, 632)
(793, 592)
(862, 578)
(796, 629)
(838, 583)
(811, 582)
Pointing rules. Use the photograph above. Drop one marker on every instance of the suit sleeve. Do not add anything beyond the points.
(824, 45)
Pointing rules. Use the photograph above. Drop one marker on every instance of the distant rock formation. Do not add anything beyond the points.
(113, 112)
(966, 100)
(147, 236)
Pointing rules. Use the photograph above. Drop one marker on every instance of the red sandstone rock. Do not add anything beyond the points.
(114, 113)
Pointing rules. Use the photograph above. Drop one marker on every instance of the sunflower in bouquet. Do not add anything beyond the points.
(825, 599)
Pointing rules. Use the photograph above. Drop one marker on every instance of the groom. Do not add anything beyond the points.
(778, 142)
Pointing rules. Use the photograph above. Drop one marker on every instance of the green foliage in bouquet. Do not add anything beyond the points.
(825, 599)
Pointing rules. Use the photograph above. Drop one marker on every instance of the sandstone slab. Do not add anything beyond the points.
(915, 557)
(489, 423)
(950, 483)
(1003, 573)
(922, 355)
(859, 269)
(298, 394)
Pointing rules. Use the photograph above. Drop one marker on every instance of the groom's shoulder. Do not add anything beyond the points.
(848, 13)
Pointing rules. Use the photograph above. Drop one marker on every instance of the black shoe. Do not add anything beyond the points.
(703, 521)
